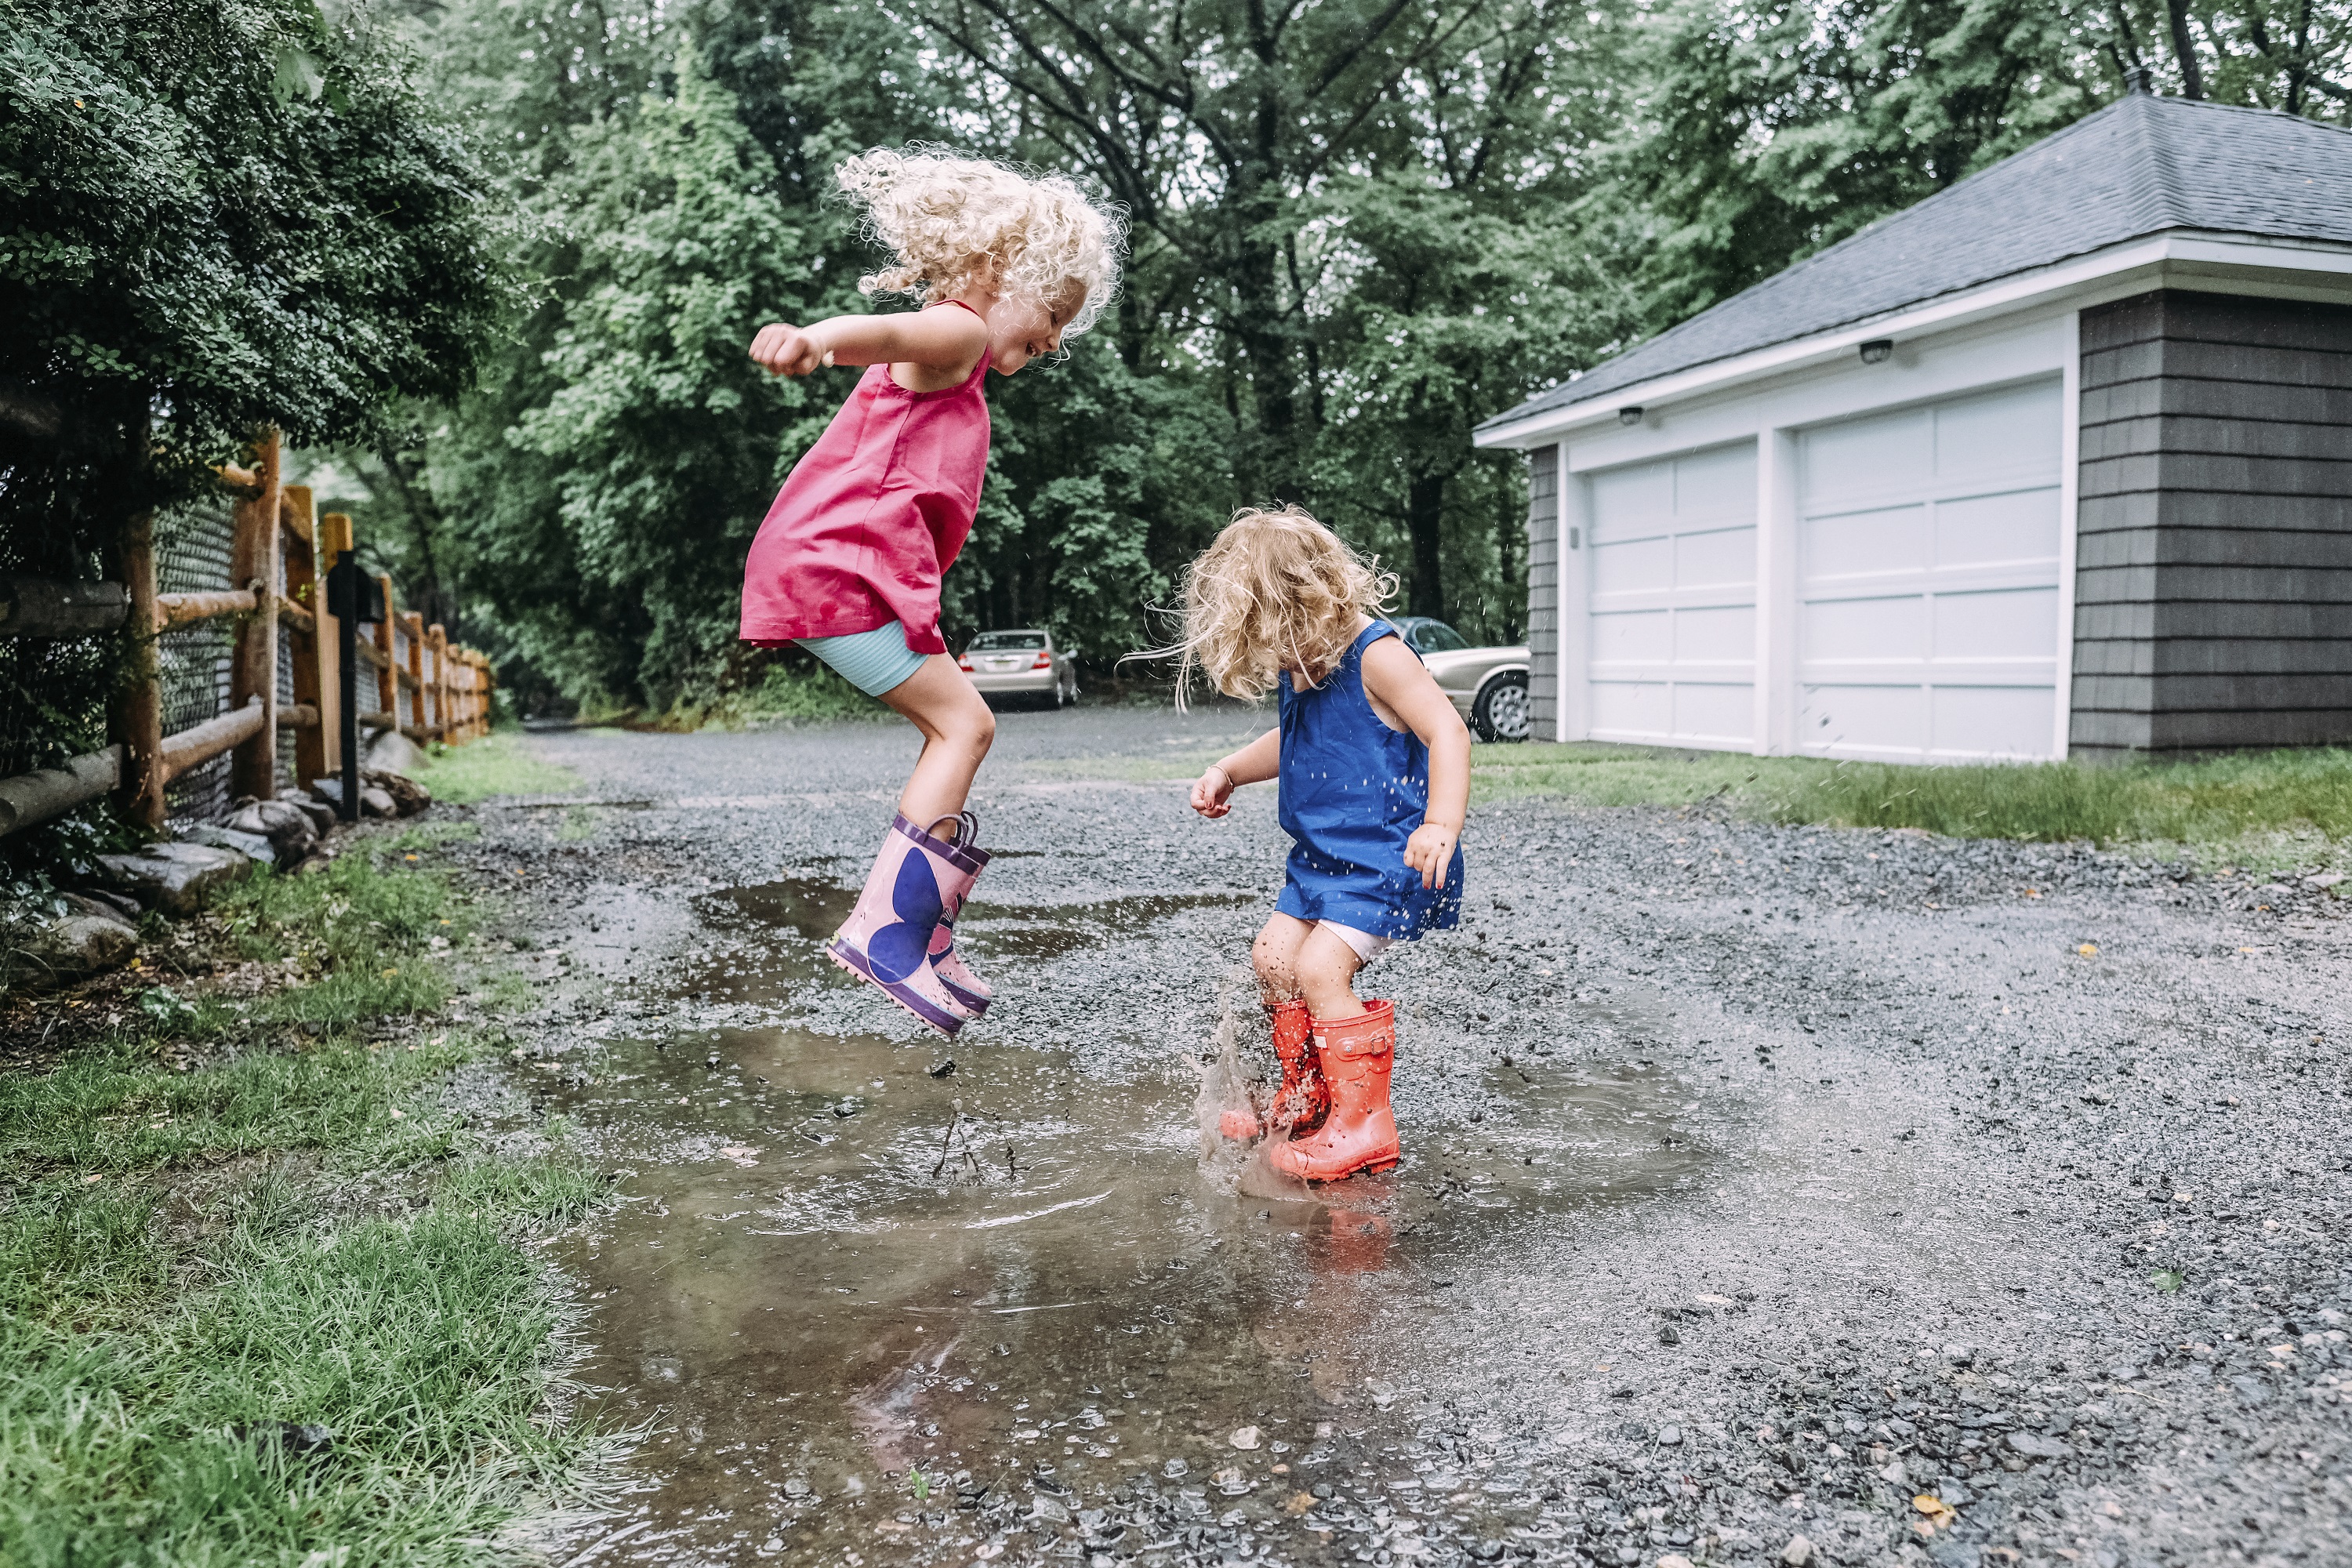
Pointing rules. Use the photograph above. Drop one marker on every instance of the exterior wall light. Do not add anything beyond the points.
(1629, 416)
(1877, 351)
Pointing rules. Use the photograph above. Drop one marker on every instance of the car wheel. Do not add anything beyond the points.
(1500, 709)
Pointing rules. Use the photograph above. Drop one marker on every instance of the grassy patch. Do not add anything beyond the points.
(2270, 809)
(280, 1308)
(500, 763)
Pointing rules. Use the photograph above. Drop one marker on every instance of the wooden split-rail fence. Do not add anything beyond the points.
(280, 551)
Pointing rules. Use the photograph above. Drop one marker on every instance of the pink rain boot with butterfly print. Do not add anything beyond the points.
(969, 991)
(886, 940)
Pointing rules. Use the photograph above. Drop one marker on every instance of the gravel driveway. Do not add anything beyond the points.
(1769, 1195)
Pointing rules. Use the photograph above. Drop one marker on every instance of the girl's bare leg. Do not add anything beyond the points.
(1274, 955)
(1327, 968)
(958, 729)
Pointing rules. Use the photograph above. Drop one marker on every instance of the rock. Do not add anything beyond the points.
(102, 906)
(1383, 1393)
(2325, 880)
(76, 947)
(2040, 1445)
(374, 802)
(394, 753)
(175, 877)
(1797, 1553)
(1244, 1437)
(1674, 1560)
(410, 796)
(1669, 1436)
(287, 826)
(321, 815)
(252, 846)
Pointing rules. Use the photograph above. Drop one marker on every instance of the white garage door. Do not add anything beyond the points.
(1672, 613)
(1927, 582)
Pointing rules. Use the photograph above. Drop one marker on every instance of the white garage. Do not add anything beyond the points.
(2055, 463)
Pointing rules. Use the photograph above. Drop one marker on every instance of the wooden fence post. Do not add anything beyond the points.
(387, 673)
(411, 624)
(138, 723)
(306, 588)
(437, 637)
(334, 537)
(254, 559)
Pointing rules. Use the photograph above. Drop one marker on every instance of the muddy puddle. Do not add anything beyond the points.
(890, 1303)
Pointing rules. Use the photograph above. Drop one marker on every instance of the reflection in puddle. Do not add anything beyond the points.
(836, 1270)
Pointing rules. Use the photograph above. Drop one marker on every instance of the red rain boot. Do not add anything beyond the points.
(886, 940)
(1302, 1102)
(1360, 1134)
(966, 861)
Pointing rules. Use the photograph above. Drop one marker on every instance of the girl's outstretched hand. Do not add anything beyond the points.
(1212, 792)
(1430, 851)
(782, 349)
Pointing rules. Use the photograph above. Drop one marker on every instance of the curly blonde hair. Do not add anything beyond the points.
(954, 223)
(1274, 591)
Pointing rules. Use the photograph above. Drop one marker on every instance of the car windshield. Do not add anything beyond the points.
(1436, 636)
(1007, 642)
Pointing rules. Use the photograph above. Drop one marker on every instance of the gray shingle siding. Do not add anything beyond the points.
(1543, 593)
(2214, 585)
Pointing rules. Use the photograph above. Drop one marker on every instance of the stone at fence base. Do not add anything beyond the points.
(252, 846)
(321, 815)
(176, 877)
(105, 905)
(77, 947)
(395, 752)
(287, 826)
(406, 794)
(375, 802)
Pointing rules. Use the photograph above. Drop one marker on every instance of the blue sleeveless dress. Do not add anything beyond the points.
(1352, 791)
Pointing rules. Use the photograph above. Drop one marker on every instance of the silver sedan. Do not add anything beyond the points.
(1022, 664)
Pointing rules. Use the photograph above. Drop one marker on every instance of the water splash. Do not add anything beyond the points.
(1238, 1166)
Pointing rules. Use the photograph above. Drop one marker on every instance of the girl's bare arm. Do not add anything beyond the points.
(945, 339)
(1253, 763)
(1397, 679)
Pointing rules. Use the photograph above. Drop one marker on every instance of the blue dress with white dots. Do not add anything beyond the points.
(1352, 790)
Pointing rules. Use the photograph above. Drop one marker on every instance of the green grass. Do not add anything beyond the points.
(294, 1232)
(2270, 809)
(497, 763)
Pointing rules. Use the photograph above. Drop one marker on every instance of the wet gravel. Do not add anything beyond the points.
(1771, 1195)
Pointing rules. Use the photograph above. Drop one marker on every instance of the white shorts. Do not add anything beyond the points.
(1368, 946)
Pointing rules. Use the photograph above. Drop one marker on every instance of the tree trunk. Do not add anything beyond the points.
(2192, 83)
(1424, 511)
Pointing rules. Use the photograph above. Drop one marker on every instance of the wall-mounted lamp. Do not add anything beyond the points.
(1877, 351)
(1629, 416)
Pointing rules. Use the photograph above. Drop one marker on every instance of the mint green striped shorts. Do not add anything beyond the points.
(872, 661)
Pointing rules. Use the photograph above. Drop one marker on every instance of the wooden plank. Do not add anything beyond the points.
(387, 686)
(299, 716)
(210, 739)
(137, 721)
(182, 609)
(294, 614)
(43, 608)
(46, 792)
(257, 561)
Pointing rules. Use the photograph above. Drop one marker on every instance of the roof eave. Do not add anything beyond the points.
(2001, 296)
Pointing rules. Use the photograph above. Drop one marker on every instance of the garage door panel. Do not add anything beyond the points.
(1638, 499)
(1862, 543)
(1847, 720)
(1641, 637)
(1856, 458)
(1671, 620)
(2015, 525)
(1723, 714)
(1716, 486)
(1927, 580)
(1725, 635)
(1996, 432)
(1645, 566)
(1722, 557)
(2011, 623)
(2010, 721)
(1891, 627)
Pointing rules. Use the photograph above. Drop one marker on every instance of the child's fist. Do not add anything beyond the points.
(1430, 851)
(1212, 792)
(782, 349)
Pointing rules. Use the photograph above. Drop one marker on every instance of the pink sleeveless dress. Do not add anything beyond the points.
(871, 517)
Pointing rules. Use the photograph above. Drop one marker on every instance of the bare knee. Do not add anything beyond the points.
(1271, 955)
(1326, 970)
(975, 728)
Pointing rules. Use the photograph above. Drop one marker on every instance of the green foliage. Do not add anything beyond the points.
(496, 764)
(2273, 809)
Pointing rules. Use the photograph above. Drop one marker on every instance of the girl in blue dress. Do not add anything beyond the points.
(1373, 771)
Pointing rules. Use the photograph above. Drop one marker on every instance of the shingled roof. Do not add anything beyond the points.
(2138, 167)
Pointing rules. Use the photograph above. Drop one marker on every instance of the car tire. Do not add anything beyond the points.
(1499, 712)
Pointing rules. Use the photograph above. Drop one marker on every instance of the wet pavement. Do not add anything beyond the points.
(1761, 1187)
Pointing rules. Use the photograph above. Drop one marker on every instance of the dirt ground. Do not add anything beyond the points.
(1769, 1195)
